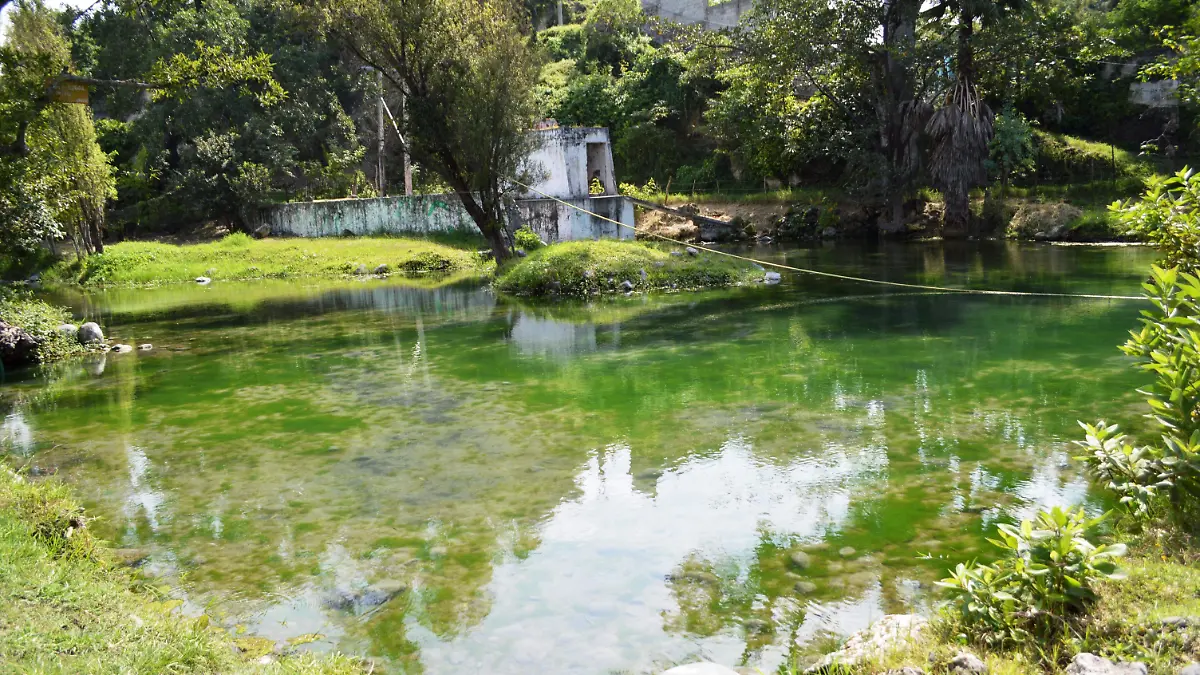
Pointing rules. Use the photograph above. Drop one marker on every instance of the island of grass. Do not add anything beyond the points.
(239, 257)
(29, 330)
(582, 268)
(68, 606)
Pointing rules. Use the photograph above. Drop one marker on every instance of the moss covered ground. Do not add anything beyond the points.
(67, 607)
(238, 256)
(581, 268)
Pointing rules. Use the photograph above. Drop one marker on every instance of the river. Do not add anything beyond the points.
(448, 481)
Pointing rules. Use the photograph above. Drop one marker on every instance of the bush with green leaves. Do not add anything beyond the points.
(1166, 347)
(1047, 576)
(527, 240)
(1168, 214)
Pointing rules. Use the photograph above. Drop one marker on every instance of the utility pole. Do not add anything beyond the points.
(380, 176)
(404, 148)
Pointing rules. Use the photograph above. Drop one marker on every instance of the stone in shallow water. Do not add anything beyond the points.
(90, 333)
(805, 588)
(1190, 669)
(1090, 664)
(889, 633)
(846, 551)
(122, 349)
(702, 668)
(800, 560)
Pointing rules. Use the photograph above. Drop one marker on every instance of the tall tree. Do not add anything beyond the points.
(467, 71)
(54, 165)
(961, 128)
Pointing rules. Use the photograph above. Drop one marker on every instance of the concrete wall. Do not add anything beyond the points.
(555, 222)
(560, 162)
(421, 214)
(425, 214)
(713, 16)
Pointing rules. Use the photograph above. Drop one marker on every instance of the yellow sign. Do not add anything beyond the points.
(70, 92)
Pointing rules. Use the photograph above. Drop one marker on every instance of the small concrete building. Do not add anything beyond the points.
(564, 167)
(559, 208)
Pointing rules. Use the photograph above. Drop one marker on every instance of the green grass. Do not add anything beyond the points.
(580, 268)
(65, 607)
(18, 307)
(238, 256)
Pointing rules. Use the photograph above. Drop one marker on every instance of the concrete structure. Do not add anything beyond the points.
(711, 15)
(568, 158)
(563, 165)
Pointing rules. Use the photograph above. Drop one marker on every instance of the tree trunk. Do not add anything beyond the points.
(958, 213)
(897, 108)
(489, 219)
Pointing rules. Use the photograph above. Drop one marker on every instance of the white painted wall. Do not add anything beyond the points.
(424, 214)
(559, 165)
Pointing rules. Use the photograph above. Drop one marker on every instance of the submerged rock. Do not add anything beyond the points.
(363, 599)
(772, 277)
(1090, 664)
(145, 346)
(702, 668)
(800, 560)
(122, 349)
(805, 588)
(887, 634)
(90, 333)
(846, 551)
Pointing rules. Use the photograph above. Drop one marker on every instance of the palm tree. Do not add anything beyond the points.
(963, 126)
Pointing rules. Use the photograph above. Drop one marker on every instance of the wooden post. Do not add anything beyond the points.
(560, 17)
(380, 176)
(408, 188)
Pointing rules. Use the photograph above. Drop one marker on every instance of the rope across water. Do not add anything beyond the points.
(832, 275)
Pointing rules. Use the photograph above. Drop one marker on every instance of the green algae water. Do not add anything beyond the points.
(448, 481)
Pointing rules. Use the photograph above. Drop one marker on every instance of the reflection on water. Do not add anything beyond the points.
(445, 480)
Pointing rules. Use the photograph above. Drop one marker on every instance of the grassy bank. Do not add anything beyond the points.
(580, 268)
(66, 608)
(1133, 619)
(40, 320)
(238, 256)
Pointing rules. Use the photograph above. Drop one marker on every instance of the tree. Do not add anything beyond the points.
(961, 128)
(467, 72)
(57, 180)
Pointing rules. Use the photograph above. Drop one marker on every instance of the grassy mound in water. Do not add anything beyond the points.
(65, 607)
(40, 320)
(238, 256)
(581, 268)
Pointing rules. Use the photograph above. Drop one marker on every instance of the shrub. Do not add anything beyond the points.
(525, 238)
(1047, 577)
(1166, 346)
(1168, 214)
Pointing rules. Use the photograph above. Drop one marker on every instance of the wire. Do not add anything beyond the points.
(832, 275)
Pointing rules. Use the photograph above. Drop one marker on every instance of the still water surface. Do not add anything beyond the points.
(574, 488)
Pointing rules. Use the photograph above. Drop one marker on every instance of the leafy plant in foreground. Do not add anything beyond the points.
(1168, 214)
(1046, 577)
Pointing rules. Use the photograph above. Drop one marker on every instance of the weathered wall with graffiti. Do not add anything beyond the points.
(553, 221)
(422, 214)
